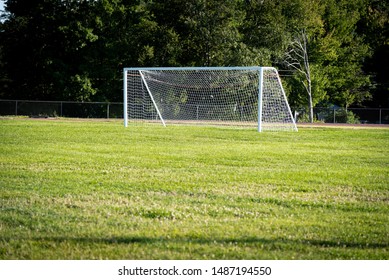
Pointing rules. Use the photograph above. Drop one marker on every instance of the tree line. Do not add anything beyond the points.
(76, 49)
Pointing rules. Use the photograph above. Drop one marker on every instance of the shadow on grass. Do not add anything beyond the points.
(244, 241)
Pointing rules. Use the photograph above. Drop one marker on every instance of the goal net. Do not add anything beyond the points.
(223, 96)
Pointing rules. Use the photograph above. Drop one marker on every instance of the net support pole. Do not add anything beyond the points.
(286, 100)
(260, 93)
(125, 99)
(152, 98)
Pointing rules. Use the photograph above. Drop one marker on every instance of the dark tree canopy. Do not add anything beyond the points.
(76, 49)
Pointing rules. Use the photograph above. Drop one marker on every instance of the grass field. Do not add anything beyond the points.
(95, 190)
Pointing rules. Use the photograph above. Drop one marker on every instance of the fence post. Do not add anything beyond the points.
(108, 110)
(334, 116)
(16, 107)
(380, 116)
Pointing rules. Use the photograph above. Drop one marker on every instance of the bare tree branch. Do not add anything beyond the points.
(297, 58)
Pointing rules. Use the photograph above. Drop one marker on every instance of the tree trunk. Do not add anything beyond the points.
(309, 90)
(310, 109)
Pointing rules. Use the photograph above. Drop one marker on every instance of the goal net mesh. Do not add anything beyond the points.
(207, 97)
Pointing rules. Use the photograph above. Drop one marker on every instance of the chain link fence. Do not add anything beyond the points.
(349, 115)
(68, 109)
(108, 110)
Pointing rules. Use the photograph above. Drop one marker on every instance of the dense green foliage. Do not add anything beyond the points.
(92, 190)
(75, 50)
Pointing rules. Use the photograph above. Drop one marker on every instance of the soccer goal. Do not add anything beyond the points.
(221, 96)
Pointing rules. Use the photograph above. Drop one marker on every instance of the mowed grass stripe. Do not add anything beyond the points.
(95, 190)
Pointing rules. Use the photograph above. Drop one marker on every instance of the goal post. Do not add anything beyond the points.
(260, 99)
(221, 96)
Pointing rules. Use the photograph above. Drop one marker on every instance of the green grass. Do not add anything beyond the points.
(95, 190)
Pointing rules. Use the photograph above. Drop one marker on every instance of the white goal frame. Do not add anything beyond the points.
(261, 90)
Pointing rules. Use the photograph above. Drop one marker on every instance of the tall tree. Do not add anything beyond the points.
(297, 58)
(207, 31)
(43, 43)
(120, 31)
(336, 54)
(374, 28)
(349, 83)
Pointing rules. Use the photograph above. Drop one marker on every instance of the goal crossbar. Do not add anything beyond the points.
(234, 96)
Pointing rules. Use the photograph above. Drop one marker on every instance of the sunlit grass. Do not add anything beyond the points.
(95, 190)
